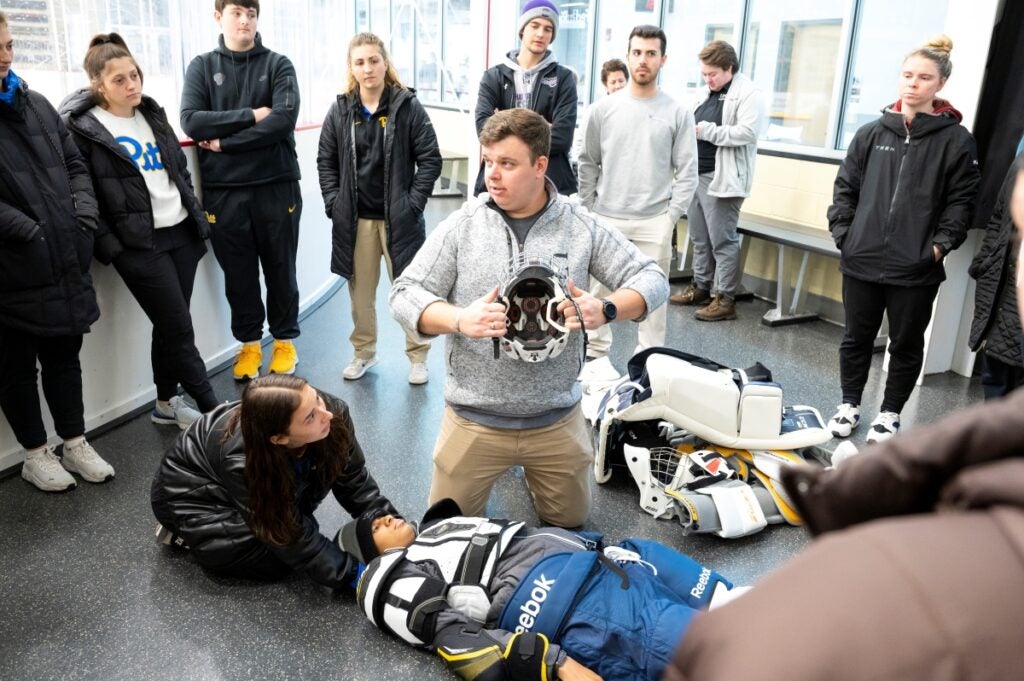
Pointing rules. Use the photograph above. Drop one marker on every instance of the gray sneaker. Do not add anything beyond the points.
(84, 460)
(43, 470)
(357, 367)
(180, 413)
(418, 374)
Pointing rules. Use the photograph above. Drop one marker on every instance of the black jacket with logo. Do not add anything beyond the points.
(126, 210)
(899, 192)
(221, 90)
(412, 163)
(48, 219)
(554, 98)
(200, 492)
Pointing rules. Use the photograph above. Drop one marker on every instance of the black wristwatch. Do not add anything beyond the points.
(609, 309)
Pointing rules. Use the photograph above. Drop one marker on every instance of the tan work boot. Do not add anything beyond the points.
(691, 295)
(720, 309)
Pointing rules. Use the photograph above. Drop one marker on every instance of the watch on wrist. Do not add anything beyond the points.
(609, 310)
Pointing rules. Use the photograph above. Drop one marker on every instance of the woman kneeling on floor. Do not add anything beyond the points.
(240, 486)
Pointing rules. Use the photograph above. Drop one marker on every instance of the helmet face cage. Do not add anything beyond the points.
(534, 329)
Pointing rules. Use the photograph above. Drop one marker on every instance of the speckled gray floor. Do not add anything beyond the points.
(86, 593)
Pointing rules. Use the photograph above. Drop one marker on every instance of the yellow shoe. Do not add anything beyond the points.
(284, 358)
(248, 361)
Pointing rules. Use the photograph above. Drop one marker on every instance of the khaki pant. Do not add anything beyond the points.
(557, 459)
(371, 245)
(653, 236)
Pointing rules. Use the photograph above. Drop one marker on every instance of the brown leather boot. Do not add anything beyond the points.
(720, 309)
(691, 295)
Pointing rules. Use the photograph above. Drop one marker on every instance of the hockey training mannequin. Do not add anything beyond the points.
(499, 600)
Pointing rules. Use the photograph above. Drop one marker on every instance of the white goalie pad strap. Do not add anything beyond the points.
(728, 509)
(470, 600)
(772, 461)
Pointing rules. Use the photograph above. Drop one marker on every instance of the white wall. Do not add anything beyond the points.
(116, 369)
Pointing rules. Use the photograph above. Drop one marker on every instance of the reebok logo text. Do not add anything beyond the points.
(530, 610)
(702, 583)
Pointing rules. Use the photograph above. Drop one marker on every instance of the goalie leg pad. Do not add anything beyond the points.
(734, 509)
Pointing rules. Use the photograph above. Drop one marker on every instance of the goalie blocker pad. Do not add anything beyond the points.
(730, 509)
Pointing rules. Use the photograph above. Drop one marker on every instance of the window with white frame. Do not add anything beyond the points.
(690, 26)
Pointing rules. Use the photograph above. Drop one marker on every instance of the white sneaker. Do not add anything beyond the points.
(885, 425)
(180, 414)
(43, 470)
(845, 419)
(84, 460)
(418, 373)
(357, 367)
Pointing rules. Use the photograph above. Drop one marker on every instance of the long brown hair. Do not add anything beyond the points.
(390, 74)
(268, 404)
(102, 48)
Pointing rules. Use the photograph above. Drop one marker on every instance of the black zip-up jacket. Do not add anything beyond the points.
(899, 192)
(221, 90)
(126, 210)
(996, 318)
(554, 98)
(48, 218)
(412, 163)
(200, 492)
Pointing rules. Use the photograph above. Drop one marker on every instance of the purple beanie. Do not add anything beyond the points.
(539, 9)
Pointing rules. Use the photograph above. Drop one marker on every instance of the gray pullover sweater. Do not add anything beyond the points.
(639, 158)
(467, 255)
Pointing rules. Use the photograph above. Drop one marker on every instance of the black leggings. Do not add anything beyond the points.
(161, 280)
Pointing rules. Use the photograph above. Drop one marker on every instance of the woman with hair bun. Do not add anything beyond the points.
(151, 225)
(902, 200)
(239, 488)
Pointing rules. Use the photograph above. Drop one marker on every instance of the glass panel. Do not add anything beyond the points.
(617, 21)
(794, 60)
(690, 25)
(456, 58)
(380, 18)
(428, 50)
(326, 71)
(403, 42)
(886, 32)
(362, 16)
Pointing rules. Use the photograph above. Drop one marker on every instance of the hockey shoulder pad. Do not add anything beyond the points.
(525, 656)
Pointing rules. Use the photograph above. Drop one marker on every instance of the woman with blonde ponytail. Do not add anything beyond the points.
(378, 161)
(902, 201)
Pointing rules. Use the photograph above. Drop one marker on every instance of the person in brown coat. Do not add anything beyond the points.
(919, 574)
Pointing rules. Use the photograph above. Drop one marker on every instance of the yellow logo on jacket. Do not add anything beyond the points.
(291, 208)
(211, 218)
(383, 121)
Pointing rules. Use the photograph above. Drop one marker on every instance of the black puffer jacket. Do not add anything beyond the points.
(48, 218)
(900, 192)
(412, 162)
(996, 318)
(200, 492)
(126, 211)
(554, 97)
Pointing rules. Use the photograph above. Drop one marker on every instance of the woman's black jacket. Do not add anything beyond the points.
(996, 318)
(126, 211)
(412, 163)
(899, 192)
(48, 219)
(200, 492)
